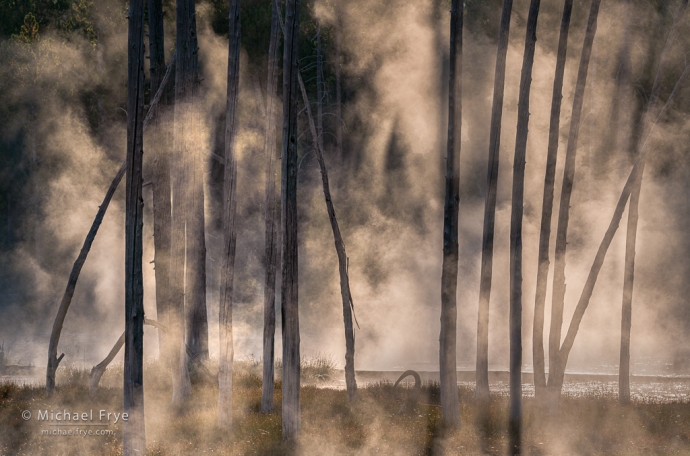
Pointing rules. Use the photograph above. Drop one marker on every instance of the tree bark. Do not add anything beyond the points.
(229, 238)
(631, 234)
(482, 368)
(450, 404)
(195, 279)
(267, 386)
(160, 146)
(338, 87)
(53, 359)
(134, 435)
(515, 420)
(289, 287)
(558, 294)
(183, 185)
(547, 205)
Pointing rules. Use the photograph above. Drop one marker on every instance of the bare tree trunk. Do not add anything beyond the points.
(515, 420)
(53, 359)
(450, 404)
(267, 386)
(227, 350)
(547, 205)
(289, 286)
(320, 88)
(482, 368)
(558, 295)
(182, 188)
(633, 179)
(160, 147)
(195, 277)
(623, 143)
(346, 295)
(134, 435)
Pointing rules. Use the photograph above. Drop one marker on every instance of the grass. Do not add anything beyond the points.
(587, 425)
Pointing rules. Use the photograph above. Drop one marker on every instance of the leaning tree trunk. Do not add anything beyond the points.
(515, 418)
(631, 234)
(450, 404)
(53, 359)
(227, 350)
(134, 435)
(267, 385)
(558, 293)
(338, 87)
(160, 146)
(482, 367)
(289, 287)
(547, 205)
(345, 294)
(636, 174)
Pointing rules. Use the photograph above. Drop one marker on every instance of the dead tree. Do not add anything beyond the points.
(631, 234)
(183, 185)
(515, 418)
(195, 278)
(53, 359)
(482, 368)
(160, 146)
(449, 276)
(227, 350)
(345, 294)
(267, 385)
(558, 295)
(134, 435)
(99, 369)
(547, 205)
(289, 287)
(338, 87)
(557, 373)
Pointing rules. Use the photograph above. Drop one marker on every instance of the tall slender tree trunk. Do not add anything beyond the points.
(515, 419)
(482, 368)
(623, 143)
(450, 404)
(195, 280)
(229, 234)
(160, 147)
(631, 234)
(134, 435)
(547, 205)
(182, 188)
(289, 286)
(558, 295)
(267, 386)
(320, 88)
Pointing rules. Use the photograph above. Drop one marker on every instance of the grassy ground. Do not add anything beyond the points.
(589, 425)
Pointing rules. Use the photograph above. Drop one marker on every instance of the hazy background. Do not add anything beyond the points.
(63, 132)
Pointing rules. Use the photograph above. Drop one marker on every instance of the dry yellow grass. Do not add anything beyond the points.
(588, 425)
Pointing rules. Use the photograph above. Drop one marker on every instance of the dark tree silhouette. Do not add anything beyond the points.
(515, 417)
(267, 386)
(482, 369)
(547, 205)
(134, 435)
(450, 405)
(289, 286)
(229, 234)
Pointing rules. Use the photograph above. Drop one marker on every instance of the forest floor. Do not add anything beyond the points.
(586, 425)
